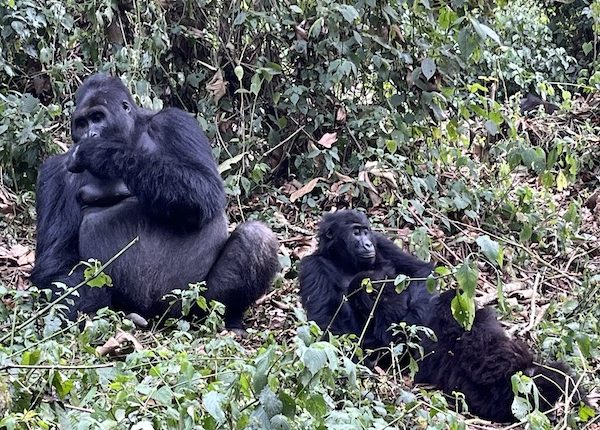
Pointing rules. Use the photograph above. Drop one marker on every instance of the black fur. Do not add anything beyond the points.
(335, 271)
(136, 172)
(480, 363)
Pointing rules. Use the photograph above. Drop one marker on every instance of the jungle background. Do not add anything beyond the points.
(407, 109)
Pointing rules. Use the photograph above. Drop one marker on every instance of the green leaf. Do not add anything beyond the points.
(367, 285)
(466, 276)
(316, 406)
(63, 385)
(270, 402)
(288, 404)
(400, 283)
(561, 181)
(212, 402)
(428, 68)
(391, 145)
(491, 249)
(31, 357)
(463, 310)
(256, 83)
(348, 12)
(239, 72)
(484, 31)
(314, 359)
(99, 281)
(526, 233)
(227, 164)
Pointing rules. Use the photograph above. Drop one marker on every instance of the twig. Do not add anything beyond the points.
(532, 317)
(56, 366)
(70, 291)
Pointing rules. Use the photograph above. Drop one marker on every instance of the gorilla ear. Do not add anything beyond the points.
(329, 234)
(126, 106)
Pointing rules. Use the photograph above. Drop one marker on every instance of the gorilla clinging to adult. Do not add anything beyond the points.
(479, 363)
(134, 172)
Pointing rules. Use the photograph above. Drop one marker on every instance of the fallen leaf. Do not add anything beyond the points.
(340, 114)
(328, 140)
(217, 87)
(307, 188)
(122, 343)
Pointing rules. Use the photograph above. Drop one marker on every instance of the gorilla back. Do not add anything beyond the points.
(134, 173)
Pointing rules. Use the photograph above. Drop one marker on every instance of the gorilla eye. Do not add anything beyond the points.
(96, 117)
(126, 107)
(80, 123)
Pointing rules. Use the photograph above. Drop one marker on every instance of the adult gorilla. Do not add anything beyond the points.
(133, 173)
(478, 363)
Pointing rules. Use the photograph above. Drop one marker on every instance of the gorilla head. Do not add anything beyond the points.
(346, 237)
(104, 107)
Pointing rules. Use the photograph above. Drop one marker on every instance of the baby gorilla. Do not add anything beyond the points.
(480, 363)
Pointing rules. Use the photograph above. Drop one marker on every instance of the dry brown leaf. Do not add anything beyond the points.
(122, 343)
(305, 189)
(217, 87)
(18, 250)
(340, 114)
(328, 140)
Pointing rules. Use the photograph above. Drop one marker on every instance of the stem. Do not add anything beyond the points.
(69, 291)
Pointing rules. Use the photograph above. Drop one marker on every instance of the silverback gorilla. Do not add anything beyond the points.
(479, 363)
(150, 174)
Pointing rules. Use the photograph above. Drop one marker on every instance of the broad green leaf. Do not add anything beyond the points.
(484, 31)
(316, 406)
(561, 181)
(491, 249)
(31, 357)
(466, 276)
(314, 359)
(270, 402)
(213, 403)
(428, 67)
(348, 12)
(401, 283)
(463, 310)
(239, 72)
(227, 164)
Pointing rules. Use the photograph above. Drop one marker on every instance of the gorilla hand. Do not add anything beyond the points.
(104, 158)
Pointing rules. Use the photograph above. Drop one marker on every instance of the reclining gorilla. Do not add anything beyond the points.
(133, 173)
(479, 363)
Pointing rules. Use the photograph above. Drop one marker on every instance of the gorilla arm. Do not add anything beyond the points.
(58, 219)
(322, 296)
(169, 167)
(414, 305)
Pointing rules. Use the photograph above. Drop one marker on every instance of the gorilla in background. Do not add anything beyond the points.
(134, 172)
(479, 363)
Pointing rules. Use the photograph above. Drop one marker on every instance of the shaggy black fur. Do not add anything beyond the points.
(479, 363)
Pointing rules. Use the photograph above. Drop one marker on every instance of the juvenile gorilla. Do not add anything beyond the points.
(348, 252)
(150, 174)
(479, 363)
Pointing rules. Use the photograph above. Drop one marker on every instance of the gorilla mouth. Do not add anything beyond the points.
(367, 256)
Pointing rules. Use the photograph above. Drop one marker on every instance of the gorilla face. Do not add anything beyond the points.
(103, 114)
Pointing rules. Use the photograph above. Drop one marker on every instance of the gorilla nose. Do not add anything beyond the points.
(368, 246)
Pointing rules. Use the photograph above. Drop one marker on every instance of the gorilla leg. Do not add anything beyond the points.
(244, 270)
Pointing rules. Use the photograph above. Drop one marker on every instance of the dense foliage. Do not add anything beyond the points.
(407, 108)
